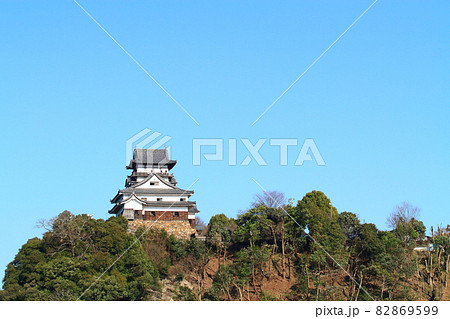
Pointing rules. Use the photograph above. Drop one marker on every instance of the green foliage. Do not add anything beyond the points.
(255, 226)
(368, 245)
(260, 245)
(156, 244)
(72, 255)
(443, 243)
(230, 279)
(223, 283)
(349, 223)
(220, 231)
(267, 296)
(185, 294)
(315, 213)
(383, 261)
(411, 231)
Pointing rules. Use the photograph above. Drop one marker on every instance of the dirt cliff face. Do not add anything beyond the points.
(172, 289)
(271, 284)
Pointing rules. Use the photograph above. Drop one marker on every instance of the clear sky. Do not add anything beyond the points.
(376, 104)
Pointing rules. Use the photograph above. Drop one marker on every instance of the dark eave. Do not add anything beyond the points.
(117, 198)
(115, 209)
(170, 204)
(170, 164)
(155, 191)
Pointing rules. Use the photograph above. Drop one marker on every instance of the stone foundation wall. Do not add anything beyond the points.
(179, 228)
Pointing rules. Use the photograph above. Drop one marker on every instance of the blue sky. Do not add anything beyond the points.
(376, 105)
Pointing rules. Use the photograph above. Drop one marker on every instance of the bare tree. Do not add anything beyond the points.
(403, 214)
(46, 224)
(272, 199)
(199, 222)
(275, 201)
(69, 231)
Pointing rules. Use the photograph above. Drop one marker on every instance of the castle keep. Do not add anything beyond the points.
(151, 197)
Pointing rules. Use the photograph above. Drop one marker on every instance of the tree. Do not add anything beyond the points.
(405, 225)
(73, 254)
(403, 214)
(349, 223)
(316, 214)
(255, 226)
(257, 249)
(271, 199)
(220, 232)
(199, 222)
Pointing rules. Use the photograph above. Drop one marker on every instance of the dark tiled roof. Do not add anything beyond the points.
(115, 209)
(193, 209)
(151, 156)
(159, 191)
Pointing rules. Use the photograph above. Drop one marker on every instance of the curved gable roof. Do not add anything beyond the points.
(134, 197)
(137, 185)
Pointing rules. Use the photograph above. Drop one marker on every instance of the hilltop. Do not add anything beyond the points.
(276, 250)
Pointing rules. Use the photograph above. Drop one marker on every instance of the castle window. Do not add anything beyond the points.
(148, 215)
(182, 199)
(159, 199)
(138, 214)
(176, 214)
(154, 183)
(144, 198)
(129, 214)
